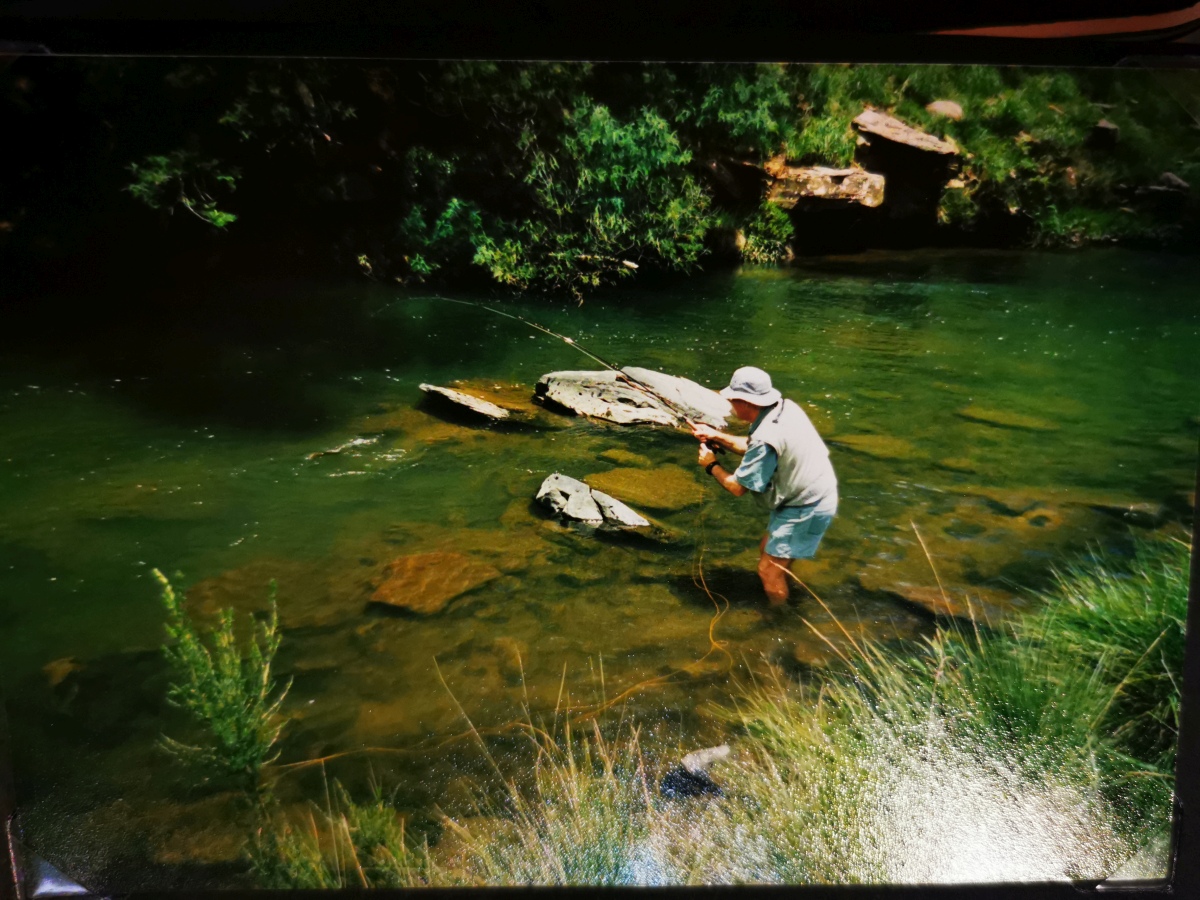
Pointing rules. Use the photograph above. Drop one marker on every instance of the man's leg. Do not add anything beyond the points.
(773, 570)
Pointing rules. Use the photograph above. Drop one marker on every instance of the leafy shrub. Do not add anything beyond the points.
(232, 696)
(183, 178)
(768, 234)
(610, 196)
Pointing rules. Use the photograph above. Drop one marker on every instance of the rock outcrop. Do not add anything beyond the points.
(917, 166)
(573, 500)
(806, 186)
(871, 123)
(634, 396)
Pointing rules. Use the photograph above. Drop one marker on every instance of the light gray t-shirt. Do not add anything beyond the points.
(798, 471)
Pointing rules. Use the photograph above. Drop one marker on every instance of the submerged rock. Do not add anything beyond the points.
(879, 446)
(572, 499)
(626, 458)
(425, 582)
(1003, 419)
(475, 404)
(607, 395)
(983, 605)
(665, 489)
(1143, 515)
(60, 669)
(334, 451)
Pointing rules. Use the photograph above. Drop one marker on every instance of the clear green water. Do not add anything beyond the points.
(187, 451)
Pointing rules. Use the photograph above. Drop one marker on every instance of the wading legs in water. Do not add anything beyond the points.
(773, 570)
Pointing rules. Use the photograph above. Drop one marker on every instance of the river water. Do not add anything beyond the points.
(999, 407)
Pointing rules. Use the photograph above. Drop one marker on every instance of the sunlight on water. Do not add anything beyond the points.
(956, 816)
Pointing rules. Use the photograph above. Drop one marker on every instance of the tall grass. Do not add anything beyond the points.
(1130, 623)
(230, 693)
(343, 845)
(973, 756)
(583, 820)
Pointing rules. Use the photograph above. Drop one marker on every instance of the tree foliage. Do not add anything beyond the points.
(561, 177)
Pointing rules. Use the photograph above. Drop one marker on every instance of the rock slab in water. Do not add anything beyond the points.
(572, 499)
(475, 404)
(425, 582)
(605, 395)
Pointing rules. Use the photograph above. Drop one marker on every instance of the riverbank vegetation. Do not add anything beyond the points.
(559, 177)
(229, 693)
(1043, 750)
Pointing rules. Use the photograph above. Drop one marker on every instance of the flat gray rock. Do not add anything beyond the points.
(605, 395)
(572, 499)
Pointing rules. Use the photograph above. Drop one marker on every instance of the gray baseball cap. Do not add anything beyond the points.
(752, 385)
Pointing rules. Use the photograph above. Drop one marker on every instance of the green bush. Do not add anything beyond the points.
(231, 695)
(609, 197)
(182, 178)
(768, 234)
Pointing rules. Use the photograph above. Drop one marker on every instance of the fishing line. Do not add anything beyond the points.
(622, 375)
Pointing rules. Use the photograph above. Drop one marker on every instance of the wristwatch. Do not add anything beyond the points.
(708, 469)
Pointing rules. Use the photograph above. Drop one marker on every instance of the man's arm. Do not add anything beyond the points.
(754, 473)
(726, 480)
(710, 435)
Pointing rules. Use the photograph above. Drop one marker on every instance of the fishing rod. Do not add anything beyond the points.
(621, 373)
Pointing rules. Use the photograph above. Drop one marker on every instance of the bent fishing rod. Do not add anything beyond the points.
(621, 373)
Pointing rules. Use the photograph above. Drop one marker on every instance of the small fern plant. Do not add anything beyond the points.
(231, 694)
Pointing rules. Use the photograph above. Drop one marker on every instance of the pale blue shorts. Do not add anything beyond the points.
(795, 532)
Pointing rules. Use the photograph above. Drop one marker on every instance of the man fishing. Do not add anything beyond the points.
(785, 463)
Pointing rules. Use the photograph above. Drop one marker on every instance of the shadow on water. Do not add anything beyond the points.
(263, 356)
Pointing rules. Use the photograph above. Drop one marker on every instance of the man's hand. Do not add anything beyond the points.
(705, 433)
(706, 456)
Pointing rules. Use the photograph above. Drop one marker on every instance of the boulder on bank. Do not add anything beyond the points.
(874, 123)
(634, 396)
(571, 499)
(947, 108)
